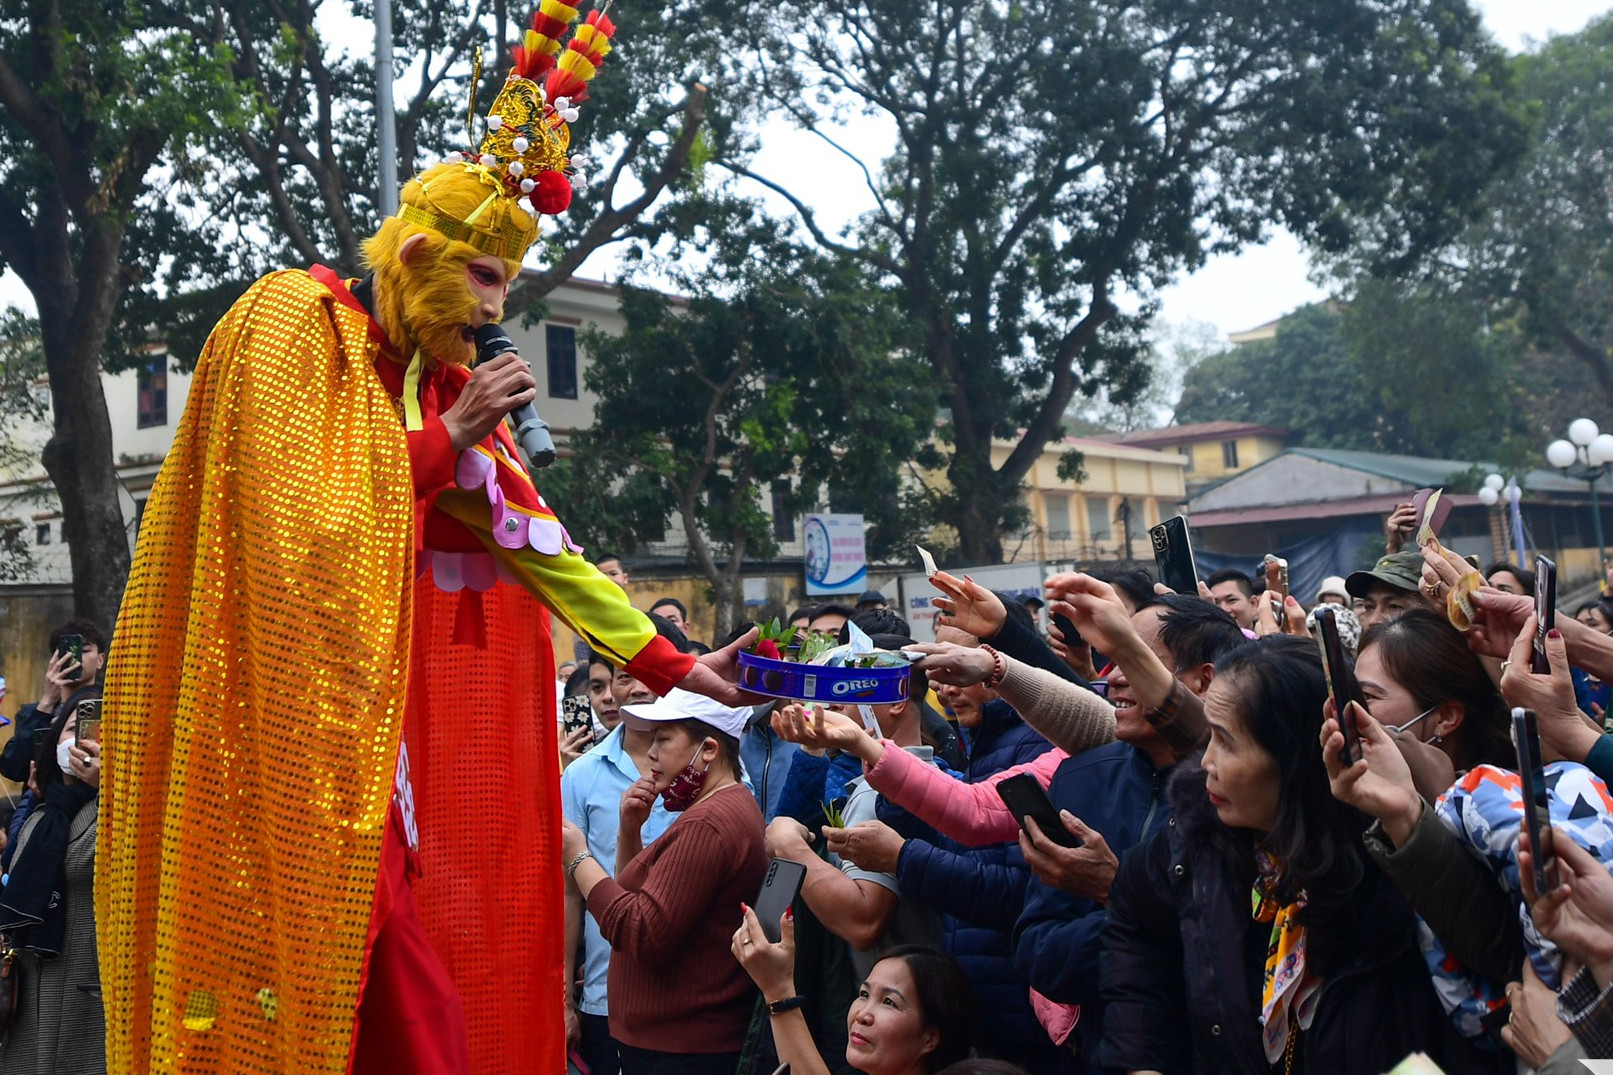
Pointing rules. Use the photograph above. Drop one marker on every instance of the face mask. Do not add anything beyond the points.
(685, 787)
(63, 758)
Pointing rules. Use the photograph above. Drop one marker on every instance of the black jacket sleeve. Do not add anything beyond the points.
(19, 749)
(1145, 1012)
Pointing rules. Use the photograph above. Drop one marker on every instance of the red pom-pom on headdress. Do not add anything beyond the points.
(552, 194)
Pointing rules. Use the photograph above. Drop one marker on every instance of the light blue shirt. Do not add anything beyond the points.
(591, 792)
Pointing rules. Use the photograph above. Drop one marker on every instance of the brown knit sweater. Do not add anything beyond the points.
(670, 917)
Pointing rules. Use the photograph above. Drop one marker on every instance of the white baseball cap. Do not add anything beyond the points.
(686, 705)
(1333, 584)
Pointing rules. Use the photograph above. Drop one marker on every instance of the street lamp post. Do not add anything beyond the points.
(1494, 490)
(1588, 451)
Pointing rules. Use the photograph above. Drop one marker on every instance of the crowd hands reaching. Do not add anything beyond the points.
(1188, 867)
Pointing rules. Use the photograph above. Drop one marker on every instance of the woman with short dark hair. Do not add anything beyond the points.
(47, 915)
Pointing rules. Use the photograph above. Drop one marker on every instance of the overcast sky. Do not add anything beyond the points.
(1232, 292)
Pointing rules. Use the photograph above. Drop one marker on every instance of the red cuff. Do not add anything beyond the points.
(432, 458)
(659, 665)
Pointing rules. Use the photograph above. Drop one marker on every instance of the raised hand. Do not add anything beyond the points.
(967, 606)
(872, 845)
(1094, 608)
(1380, 783)
(1578, 915)
(825, 729)
(1086, 871)
(1564, 730)
(715, 674)
(952, 664)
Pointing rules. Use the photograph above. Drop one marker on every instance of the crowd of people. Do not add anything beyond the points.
(1203, 909)
(1219, 866)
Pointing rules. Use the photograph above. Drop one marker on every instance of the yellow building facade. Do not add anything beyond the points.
(1212, 450)
(1126, 490)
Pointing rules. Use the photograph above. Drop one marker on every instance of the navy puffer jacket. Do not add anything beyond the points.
(980, 891)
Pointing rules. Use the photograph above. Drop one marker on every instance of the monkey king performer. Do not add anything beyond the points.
(330, 819)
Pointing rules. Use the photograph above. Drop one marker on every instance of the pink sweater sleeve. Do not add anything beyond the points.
(972, 814)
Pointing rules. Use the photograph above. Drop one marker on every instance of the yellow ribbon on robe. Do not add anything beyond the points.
(255, 701)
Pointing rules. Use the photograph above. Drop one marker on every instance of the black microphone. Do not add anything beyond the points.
(531, 432)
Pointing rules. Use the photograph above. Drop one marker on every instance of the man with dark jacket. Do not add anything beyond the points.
(1110, 798)
(67, 680)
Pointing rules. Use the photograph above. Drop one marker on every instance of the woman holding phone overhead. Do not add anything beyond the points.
(678, 1003)
(59, 1027)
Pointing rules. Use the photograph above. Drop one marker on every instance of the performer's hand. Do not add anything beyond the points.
(495, 389)
(714, 674)
(637, 801)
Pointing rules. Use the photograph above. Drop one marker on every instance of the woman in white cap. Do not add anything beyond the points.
(679, 1003)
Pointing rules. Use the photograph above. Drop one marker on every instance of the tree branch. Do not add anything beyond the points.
(611, 220)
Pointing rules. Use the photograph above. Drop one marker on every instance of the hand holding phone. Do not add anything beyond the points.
(1536, 800)
(575, 715)
(1545, 612)
(779, 889)
(72, 647)
(1173, 556)
(1024, 796)
(87, 721)
(1341, 682)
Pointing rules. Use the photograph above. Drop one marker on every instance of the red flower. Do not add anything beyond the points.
(767, 648)
(552, 194)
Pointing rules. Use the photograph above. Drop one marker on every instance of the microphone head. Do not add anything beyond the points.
(492, 341)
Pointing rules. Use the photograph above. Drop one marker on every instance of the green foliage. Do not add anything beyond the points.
(1396, 369)
(781, 375)
(1532, 274)
(1302, 381)
(1048, 158)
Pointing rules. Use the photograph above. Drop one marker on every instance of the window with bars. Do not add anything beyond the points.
(560, 342)
(153, 393)
(1058, 518)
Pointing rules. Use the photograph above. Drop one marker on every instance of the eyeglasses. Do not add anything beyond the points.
(1413, 720)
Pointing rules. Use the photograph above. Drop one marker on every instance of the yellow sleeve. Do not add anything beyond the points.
(586, 601)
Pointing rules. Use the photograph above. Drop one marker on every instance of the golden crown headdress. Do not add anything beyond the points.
(525, 151)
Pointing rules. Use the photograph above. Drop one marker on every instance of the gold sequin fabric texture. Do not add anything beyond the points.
(255, 701)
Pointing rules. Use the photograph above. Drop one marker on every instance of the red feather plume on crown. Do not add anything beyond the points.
(526, 147)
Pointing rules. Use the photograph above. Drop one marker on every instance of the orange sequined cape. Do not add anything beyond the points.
(254, 983)
(256, 702)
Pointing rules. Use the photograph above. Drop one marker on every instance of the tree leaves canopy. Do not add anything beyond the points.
(1054, 164)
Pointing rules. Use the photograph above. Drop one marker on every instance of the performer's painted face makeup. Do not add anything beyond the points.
(447, 301)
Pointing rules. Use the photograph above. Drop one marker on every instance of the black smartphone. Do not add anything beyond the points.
(73, 646)
(1067, 629)
(1536, 806)
(87, 721)
(1545, 611)
(1173, 555)
(1026, 798)
(1341, 681)
(779, 889)
(575, 713)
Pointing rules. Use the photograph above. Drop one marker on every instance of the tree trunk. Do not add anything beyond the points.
(975, 506)
(79, 457)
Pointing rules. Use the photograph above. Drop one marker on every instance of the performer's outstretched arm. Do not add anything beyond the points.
(599, 611)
